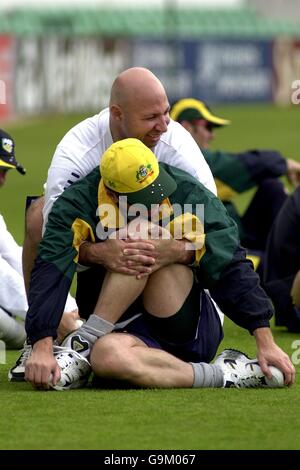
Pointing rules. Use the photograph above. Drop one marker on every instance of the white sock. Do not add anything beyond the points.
(94, 328)
(207, 375)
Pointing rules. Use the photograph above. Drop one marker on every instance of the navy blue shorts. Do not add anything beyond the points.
(292, 319)
(202, 347)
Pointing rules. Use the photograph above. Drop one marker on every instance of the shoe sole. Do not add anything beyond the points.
(12, 378)
(72, 387)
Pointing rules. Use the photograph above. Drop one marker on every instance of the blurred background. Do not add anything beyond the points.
(62, 55)
(58, 59)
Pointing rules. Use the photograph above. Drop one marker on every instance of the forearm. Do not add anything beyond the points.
(47, 297)
(44, 345)
(91, 253)
(183, 252)
(240, 296)
(264, 338)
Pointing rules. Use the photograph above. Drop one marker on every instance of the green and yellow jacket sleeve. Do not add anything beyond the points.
(238, 172)
(223, 267)
(221, 263)
(71, 221)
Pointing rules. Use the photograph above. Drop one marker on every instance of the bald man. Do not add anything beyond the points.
(138, 108)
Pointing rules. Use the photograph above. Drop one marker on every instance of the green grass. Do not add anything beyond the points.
(149, 419)
(35, 144)
(153, 419)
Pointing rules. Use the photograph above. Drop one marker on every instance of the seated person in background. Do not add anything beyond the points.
(237, 172)
(161, 328)
(282, 264)
(13, 299)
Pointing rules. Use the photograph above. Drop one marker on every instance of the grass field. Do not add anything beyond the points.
(149, 419)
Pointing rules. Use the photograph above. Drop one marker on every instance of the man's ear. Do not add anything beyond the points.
(116, 112)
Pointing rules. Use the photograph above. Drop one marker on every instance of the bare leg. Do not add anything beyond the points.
(164, 292)
(295, 291)
(124, 357)
(118, 292)
(68, 324)
(33, 236)
(167, 289)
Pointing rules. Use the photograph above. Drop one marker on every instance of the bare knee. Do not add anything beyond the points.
(167, 289)
(34, 220)
(112, 356)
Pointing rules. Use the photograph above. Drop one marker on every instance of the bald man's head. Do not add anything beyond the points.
(134, 84)
(139, 107)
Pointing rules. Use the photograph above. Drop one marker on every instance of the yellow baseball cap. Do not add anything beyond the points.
(189, 109)
(130, 168)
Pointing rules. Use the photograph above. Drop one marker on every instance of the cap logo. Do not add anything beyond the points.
(111, 184)
(7, 144)
(143, 173)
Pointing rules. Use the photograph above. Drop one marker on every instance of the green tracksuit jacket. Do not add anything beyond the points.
(222, 268)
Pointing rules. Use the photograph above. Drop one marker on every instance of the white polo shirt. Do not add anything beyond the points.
(81, 149)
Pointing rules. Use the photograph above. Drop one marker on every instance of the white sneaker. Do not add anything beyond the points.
(241, 372)
(231, 355)
(17, 372)
(75, 369)
(77, 343)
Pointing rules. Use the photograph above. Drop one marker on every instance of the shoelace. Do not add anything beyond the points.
(253, 378)
(24, 355)
(65, 360)
(249, 382)
(63, 349)
(232, 354)
(27, 351)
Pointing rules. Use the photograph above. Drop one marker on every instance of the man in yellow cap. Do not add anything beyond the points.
(13, 301)
(236, 173)
(7, 156)
(157, 330)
